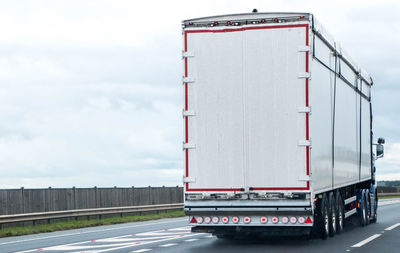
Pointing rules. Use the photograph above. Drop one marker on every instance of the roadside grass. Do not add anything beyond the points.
(388, 197)
(73, 224)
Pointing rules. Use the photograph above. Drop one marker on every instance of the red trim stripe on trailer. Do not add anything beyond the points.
(306, 102)
(186, 118)
(307, 115)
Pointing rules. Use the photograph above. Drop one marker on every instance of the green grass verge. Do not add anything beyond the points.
(388, 197)
(64, 225)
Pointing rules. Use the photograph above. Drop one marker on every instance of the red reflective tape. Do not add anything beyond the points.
(307, 103)
(214, 189)
(245, 28)
(307, 114)
(279, 188)
(186, 118)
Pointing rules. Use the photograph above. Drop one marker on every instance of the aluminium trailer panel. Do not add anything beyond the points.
(246, 104)
(340, 121)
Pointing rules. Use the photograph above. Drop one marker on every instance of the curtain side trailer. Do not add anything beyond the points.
(277, 128)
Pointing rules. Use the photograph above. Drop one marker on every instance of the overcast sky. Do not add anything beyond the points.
(90, 91)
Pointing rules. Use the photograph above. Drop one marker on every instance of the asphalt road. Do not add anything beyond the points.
(173, 235)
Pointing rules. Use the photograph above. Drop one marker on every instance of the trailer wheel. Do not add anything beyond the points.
(375, 217)
(322, 222)
(332, 214)
(363, 215)
(339, 213)
(367, 207)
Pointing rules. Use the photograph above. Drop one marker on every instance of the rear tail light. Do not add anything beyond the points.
(285, 220)
(262, 20)
(293, 220)
(301, 220)
(215, 220)
(200, 220)
(207, 219)
(228, 23)
(193, 220)
(247, 220)
(276, 20)
(275, 220)
(263, 220)
(225, 220)
(235, 219)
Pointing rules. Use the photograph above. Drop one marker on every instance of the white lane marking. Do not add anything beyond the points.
(168, 245)
(155, 233)
(140, 250)
(93, 231)
(139, 239)
(366, 240)
(209, 236)
(133, 245)
(191, 240)
(134, 238)
(79, 247)
(388, 202)
(180, 229)
(392, 227)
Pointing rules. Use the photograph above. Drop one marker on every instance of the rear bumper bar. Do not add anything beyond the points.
(261, 230)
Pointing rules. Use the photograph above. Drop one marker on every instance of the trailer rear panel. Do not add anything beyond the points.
(246, 98)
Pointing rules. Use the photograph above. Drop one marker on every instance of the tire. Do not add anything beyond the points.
(332, 214)
(339, 213)
(363, 214)
(322, 221)
(367, 207)
(375, 206)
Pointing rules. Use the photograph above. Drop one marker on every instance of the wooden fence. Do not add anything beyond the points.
(18, 201)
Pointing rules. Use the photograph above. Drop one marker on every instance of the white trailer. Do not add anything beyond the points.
(277, 127)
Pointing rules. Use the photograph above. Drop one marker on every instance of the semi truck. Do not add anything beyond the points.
(278, 133)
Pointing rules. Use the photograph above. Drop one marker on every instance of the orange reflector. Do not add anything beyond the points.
(308, 220)
(193, 220)
(358, 205)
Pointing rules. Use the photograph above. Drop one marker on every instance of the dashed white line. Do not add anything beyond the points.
(140, 250)
(168, 245)
(191, 240)
(366, 241)
(392, 227)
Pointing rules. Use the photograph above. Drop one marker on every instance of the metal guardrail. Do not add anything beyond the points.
(26, 217)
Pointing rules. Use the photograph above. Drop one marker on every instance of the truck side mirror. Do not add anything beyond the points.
(380, 148)
(379, 151)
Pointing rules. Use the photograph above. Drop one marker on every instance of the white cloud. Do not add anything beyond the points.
(388, 168)
(91, 95)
